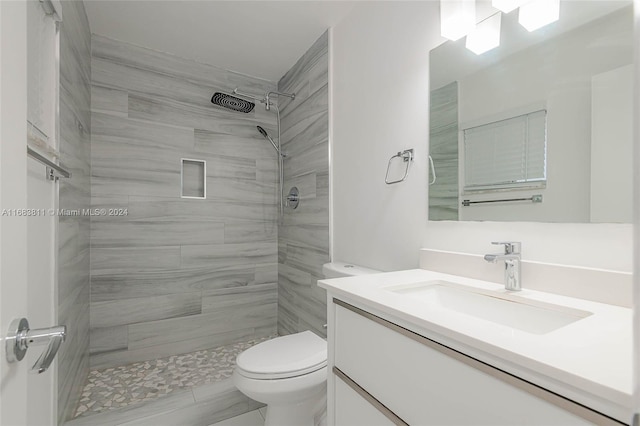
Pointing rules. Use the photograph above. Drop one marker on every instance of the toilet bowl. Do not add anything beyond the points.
(289, 373)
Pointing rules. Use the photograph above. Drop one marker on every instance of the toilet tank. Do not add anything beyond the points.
(343, 269)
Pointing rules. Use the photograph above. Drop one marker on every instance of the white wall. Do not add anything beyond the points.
(14, 402)
(611, 146)
(380, 105)
(380, 98)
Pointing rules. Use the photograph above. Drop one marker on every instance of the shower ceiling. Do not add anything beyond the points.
(258, 38)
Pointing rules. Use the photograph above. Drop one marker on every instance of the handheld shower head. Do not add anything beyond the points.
(264, 133)
(281, 156)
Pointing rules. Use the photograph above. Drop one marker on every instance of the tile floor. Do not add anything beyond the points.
(117, 387)
(252, 418)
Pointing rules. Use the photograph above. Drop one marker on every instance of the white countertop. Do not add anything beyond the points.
(588, 361)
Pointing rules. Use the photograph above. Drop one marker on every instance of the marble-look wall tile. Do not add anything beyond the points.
(315, 213)
(133, 311)
(168, 276)
(316, 132)
(311, 235)
(243, 232)
(137, 158)
(111, 101)
(224, 166)
(154, 232)
(309, 159)
(74, 193)
(220, 320)
(239, 297)
(322, 185)
(117, 358)
(306, 113)
(266, 273)
(105, 261)
(294, 276)
(107, 339)
(126, 285)
(225, 255)
(191, 115)
(267, 170)
(231, 189)
(306, 184)
(303, 236)
(131, 133)
(146, 84)
(154, 61)
(317, 53)
(287, 311)
(245, 142)
(143, 207)
(306, 258)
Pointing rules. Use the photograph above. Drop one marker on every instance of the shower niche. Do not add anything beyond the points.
(193, 180)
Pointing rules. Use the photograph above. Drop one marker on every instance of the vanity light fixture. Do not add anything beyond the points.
(457, 18)
(538, 13)
(507, 6)
(486, 35)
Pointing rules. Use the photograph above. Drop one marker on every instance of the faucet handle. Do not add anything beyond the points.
(510, 247)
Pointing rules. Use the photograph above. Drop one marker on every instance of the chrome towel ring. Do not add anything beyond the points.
(407, 158)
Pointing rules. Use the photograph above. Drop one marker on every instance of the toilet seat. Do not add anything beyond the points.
(282, 375)
(283, 357)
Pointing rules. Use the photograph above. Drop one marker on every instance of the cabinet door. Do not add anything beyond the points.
(424, 386)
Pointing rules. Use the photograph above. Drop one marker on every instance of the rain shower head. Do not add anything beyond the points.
(232, 103)
(264, 133)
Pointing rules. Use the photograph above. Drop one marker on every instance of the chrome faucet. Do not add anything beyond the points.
(511, 257)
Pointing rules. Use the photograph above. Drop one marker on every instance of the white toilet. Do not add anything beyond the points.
(289, 373)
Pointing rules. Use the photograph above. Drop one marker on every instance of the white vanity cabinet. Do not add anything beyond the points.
(381, 373)
(353, 409)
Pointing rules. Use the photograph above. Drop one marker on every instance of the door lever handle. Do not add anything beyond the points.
(20, 338)
(53, 338)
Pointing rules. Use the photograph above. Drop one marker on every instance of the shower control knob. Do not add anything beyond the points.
(293, 198)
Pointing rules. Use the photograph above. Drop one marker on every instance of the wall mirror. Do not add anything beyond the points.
(539, 128)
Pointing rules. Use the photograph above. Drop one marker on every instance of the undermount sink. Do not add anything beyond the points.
(505, 309)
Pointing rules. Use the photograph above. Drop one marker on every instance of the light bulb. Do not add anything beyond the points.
(486, 35)
(507, 6)
(538, 13)
(457, 18)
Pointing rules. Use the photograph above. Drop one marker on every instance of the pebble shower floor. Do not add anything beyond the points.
(117, 387)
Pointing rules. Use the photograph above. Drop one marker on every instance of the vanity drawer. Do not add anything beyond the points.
(355, 410)
(425, 383)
